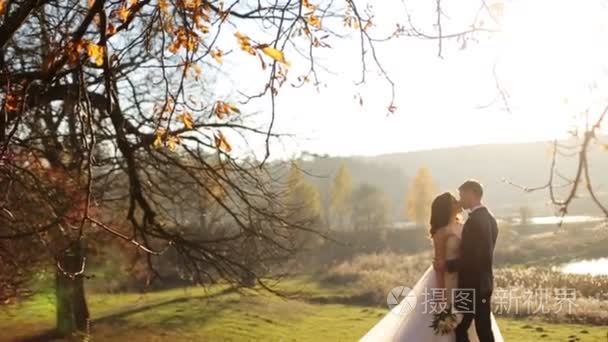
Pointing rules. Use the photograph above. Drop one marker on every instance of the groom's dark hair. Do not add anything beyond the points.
(473, 186)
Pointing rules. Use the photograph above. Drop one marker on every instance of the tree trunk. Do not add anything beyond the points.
(72, 309)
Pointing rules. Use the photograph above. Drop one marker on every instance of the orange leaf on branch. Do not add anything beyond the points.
(111, 30)
(123, 13)
(221, 143)
(11, 103)
(75, 49)
(222, 109)
(201, 15)
(186, 119)
(217, 54)
(52, 58)
(308, 5)
(158, 137)
(314, 21)
(184, 38)
(174, 46)
(163, 6)
(172, 142)
(245, 43)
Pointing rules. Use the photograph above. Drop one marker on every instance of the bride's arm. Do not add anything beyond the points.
(439, 249)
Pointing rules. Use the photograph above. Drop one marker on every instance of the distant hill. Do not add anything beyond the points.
(526, 164)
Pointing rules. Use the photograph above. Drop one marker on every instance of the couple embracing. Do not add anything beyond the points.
(460, 281)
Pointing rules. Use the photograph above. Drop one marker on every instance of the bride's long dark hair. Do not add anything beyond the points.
(441, 211)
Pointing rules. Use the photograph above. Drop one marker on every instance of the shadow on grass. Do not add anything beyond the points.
(119, 316)
(366, 299)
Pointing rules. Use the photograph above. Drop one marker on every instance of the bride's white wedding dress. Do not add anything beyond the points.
(410, 320)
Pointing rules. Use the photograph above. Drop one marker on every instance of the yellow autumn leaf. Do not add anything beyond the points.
(173, 47)
(96, 53)
(221, 143)
(191, 44)
(158, 141)
(172, 142)
(308, 5)
(158, 137)
(217, 54)
(314, 21)
(222, 109)
(245, 43)
(184, 38)
(186, 119)
(234, 108)
(163, 5)
(275, 54)
(123, 13)
(190, 4)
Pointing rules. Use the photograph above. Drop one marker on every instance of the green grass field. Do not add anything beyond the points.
(195, 314)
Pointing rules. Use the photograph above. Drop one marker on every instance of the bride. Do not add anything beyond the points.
(411, 319)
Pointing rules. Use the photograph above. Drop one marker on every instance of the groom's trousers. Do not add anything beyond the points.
(483, 321)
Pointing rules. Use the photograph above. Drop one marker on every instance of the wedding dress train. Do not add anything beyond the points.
(410, 321)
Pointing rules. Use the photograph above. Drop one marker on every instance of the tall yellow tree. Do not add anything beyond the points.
(419, 197)
(341, 194)
(304, 199)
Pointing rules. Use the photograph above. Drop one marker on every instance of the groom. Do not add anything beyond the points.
(474, 265)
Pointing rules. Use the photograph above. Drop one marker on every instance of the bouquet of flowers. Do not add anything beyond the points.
(444, 322)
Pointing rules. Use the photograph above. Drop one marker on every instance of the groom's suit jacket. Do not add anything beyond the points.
(474, 266)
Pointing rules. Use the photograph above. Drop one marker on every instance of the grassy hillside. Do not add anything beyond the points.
(220, 314)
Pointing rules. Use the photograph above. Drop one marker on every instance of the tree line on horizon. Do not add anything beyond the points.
(362, 206)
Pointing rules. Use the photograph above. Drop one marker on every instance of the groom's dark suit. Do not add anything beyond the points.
(474, 267)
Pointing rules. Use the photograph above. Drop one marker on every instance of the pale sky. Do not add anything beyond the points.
(551, 58)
